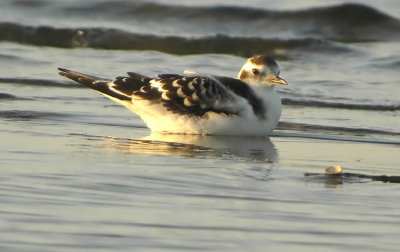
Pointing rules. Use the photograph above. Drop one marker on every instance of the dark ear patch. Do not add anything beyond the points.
(243, 75)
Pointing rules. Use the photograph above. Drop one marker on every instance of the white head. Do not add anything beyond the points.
(261, 71)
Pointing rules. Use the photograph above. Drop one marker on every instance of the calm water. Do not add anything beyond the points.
(81, 173)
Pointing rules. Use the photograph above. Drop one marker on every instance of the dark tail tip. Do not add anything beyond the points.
(78, 77)
(63, 71)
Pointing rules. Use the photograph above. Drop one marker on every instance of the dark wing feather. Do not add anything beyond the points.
(128, 85)
(136, 85)
(196, 95)
(242, 89)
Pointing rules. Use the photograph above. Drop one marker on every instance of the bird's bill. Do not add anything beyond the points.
(276, 80)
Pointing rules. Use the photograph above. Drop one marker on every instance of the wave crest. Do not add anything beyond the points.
(345, 23)
(104, 38)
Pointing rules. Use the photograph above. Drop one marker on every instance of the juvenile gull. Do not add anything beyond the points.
(198, 103)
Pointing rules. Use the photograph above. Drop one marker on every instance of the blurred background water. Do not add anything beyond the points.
(79, 172)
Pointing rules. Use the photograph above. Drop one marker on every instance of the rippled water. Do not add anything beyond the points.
(80, 172)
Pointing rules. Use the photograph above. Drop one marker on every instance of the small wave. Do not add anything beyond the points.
(5, 96)
(311, 103)
(353, 131)
(389, 62)
(25, 115)
(336, 138)
(38, 82)
(8, 57)
(104, 38)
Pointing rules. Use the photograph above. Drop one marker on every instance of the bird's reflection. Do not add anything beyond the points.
(231, 147)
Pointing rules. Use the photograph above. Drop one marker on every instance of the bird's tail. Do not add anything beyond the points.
(84, 79)
(103, 86)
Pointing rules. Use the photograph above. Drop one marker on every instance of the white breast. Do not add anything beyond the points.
(158, 119)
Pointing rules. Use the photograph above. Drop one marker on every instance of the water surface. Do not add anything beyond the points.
(82, 173)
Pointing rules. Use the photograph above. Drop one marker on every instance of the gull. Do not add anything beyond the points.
(193, 103)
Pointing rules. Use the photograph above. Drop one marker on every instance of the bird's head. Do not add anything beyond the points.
(261, 70)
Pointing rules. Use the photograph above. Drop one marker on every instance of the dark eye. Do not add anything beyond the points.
(255, 71)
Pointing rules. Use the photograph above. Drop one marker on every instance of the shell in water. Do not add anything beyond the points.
(333, 170)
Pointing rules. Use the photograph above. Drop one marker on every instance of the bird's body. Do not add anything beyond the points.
(197, 103)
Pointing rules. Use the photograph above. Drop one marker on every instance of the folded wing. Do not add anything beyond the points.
(185, 95)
